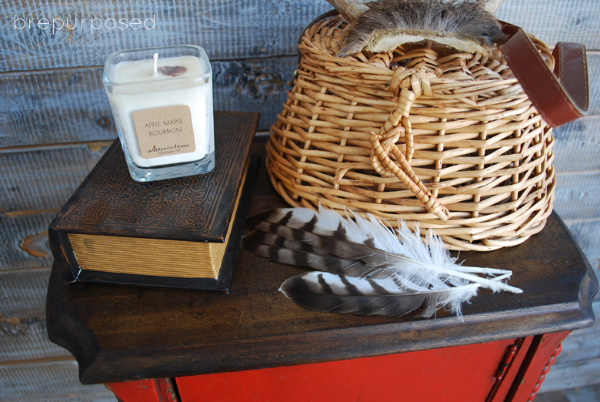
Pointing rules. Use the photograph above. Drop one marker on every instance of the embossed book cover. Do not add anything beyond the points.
(181, 232)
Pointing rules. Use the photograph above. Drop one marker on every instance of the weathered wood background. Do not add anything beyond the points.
(55, 123)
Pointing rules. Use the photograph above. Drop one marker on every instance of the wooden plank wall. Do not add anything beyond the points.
(55, 123)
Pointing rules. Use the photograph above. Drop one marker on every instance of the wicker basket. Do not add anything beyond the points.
(435, 138)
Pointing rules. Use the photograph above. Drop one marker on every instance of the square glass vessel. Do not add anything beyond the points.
(162, 103)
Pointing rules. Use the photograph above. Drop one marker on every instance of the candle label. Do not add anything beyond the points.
(164, 131)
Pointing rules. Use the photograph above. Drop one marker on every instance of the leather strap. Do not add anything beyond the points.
(560, 97)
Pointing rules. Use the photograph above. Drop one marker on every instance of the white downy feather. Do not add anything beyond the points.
(398, 264)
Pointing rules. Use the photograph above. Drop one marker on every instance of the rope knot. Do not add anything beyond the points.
(386, 157)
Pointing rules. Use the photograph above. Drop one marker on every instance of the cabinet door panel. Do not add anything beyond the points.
(461, 373)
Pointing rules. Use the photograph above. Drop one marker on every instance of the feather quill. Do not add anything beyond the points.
(365, 267)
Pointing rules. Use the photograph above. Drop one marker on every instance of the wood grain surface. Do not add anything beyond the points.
(227, 29)
(69, 105)
(166, 332)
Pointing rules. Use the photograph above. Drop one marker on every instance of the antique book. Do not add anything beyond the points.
(182, 232)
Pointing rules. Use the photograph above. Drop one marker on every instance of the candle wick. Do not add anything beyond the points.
(155, 64)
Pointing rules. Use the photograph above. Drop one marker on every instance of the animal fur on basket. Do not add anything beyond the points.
(461, 24)
(365, 267)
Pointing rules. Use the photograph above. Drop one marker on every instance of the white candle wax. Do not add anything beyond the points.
(178, 82)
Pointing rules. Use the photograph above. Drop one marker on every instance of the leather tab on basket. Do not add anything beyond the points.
(560, 97)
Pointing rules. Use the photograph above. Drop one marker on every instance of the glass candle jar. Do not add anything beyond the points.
(161, 100)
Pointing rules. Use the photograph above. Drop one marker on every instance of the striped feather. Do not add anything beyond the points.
(292, 252)
(325, 292)
(367, 268)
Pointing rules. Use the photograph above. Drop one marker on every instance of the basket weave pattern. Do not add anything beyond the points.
(438, 139)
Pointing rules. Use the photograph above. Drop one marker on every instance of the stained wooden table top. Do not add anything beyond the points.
(120, 333)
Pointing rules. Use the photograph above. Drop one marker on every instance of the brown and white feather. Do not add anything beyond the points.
(365, 268)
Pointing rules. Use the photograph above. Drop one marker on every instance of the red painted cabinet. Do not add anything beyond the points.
(507, 370)
(461, 373)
